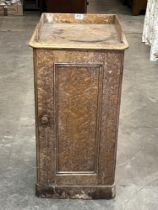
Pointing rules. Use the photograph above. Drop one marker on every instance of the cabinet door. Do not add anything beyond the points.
(78, 91)
(77, 108)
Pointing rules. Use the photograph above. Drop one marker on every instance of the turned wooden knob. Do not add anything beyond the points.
(44, 120)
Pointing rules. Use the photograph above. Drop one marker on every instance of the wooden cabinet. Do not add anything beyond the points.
(65, 6)
(137, 6)
(78, 62)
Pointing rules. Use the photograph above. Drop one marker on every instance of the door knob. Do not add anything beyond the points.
(44, 119)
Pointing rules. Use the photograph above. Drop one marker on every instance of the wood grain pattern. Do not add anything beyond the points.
(111, 62)
(88, 31)
(77, 98)
(77, 95)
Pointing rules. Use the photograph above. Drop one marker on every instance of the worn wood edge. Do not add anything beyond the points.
(36, 113)
(88, 18)
(56, 47)
(120, 31)
(35, 44)
(110, 18)
(76, 192)
(34, 36)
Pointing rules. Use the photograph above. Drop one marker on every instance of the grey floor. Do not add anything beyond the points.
(137, 162)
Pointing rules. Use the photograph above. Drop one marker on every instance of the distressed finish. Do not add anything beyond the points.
(76, 93)
(77, 96)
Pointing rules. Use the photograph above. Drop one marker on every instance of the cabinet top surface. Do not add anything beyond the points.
(78, 31)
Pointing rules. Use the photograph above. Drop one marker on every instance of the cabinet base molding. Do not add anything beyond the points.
(77, 192)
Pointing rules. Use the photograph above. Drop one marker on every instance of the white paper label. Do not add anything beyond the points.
(79, 16)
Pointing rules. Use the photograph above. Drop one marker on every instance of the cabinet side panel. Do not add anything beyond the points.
(110, 115)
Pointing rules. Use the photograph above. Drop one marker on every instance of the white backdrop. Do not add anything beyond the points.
(150, 33)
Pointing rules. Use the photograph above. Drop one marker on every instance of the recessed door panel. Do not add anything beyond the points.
(78, 90)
